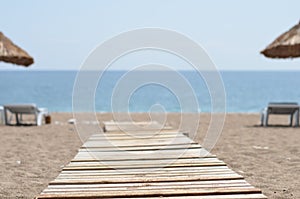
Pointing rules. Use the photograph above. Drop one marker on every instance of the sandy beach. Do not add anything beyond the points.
(268, 158)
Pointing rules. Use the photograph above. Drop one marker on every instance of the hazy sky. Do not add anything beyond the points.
(60, 34)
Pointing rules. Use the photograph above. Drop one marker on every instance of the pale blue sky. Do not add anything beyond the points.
(60, 34)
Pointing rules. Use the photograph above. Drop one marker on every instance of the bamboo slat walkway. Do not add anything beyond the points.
(146, 164)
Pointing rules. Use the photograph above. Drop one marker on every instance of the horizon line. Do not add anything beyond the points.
(76, 70)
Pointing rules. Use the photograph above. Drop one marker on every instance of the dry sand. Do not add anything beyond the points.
(269, 158)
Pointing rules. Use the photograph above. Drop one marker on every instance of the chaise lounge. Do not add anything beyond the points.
(20, 109)
(282, 108)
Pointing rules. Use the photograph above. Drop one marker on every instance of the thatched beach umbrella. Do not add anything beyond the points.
(11, 53)
(286, 45)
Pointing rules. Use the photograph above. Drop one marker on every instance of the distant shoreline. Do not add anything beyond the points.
(19, 69)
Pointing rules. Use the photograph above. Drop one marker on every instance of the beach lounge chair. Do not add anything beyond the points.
(1, 115)
(20, 109)
(282, 108)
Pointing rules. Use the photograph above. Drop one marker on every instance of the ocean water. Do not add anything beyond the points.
(247, 91)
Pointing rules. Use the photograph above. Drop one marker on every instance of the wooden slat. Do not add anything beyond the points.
(138, 133)
(190, 161)
(97, 175)
(219, 196)
(146, 179)
(147, 187)
(135, 138)
(154, 184)
(158, 170)
(136, 126)
(142, 148)
(158, 193)
(139, 163)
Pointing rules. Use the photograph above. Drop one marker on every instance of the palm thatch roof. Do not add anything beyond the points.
(11, 53)
(286, 45)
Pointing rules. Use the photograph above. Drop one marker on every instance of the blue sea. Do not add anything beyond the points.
(246, 91)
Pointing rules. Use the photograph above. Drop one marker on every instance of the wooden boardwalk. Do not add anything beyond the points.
(146, 164)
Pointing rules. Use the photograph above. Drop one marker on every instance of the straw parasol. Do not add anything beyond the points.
(11, 53)
(286, 45)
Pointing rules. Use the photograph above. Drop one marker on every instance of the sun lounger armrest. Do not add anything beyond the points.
(43, 110)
